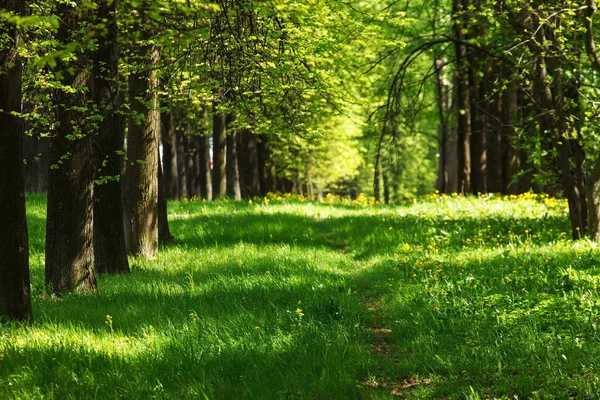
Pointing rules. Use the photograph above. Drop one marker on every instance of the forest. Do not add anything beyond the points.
(299, 199)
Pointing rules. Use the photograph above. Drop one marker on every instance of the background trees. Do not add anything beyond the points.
(240, 98)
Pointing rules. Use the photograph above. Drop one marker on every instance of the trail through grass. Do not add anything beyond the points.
(447, 297)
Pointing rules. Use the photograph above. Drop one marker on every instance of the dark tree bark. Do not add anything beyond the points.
(197, 166)
(30, 153)
(219, 154)
(164, 233)
(205, 170)
(110, 253)
(42, 163)
(69, 227)
(593, 178)
(509, 155)
(459, 9)
(253, 172)
(478, 133)
(169, 160)
(443, 105)
(181, 164)
(141, 209)
(15, 299)
(266, 173)
(494, 145)
(233, 171)
(242, 162)
(191, 165)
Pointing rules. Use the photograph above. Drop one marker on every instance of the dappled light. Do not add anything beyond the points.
(288, 297)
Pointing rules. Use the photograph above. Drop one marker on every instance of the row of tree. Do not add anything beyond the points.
(240, 97)
(514, 86)
(98, 85)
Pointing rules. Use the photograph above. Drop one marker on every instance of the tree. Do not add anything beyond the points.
(141, 207)
(109, 236)
(69, 229)
(15, 299)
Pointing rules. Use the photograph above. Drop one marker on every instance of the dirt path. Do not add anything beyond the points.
(383, 347)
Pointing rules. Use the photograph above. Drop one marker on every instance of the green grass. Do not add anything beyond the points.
(442, 298)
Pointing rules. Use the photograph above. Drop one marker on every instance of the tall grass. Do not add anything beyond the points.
(285, 298)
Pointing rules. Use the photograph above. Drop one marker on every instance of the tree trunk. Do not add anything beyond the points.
(459, 8)
(265, 172)
(593, 200)
(42, 163)
(164, 233)
(15, 299)
(169, 160)
(478, 131)
(69, 226)
(142, 154)
(181, 164)
(243, 164)
(509, 155)
(205, 170)
(30, 153)
(443, 105)
(253, 173)
(110, 254)
(196, 166)
(219, 154)
(233, 171)
(190, 165)
(494, 145)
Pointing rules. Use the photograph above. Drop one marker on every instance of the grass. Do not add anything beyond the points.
(446, 297)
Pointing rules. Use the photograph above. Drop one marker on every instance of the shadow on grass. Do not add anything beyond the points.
(492, 330)
(365, 236)
(191, 365)
(274, 327)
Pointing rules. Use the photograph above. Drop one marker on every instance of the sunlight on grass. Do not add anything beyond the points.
(281, 297)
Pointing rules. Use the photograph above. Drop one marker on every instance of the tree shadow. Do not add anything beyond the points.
(492, 334)
(366, 236)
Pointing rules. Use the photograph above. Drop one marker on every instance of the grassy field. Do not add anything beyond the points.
(446, 297)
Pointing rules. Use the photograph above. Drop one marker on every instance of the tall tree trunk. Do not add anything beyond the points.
(15, 299)
(181, 164)
(196, 166)
(265, 171)
(524, 112)
(164, 233)
(42, 163)
(253, 172)
(219, 154)
(385, 174)
(443, 105)
(205, 170)
(30, 153)
(142, 153)
(243, 164)
(69, 226)
(593, 179)
(459, 8)
(169, 161)
(593, 199)
(233, 171)
(494, 145)
(509, 155)
(110, 254)
(478, 128)
(190, 165)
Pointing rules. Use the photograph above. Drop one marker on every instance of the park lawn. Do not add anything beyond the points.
(444, 297)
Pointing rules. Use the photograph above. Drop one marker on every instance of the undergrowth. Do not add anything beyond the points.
(282, 297)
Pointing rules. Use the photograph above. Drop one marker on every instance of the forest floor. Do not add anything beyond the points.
(444, 297)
